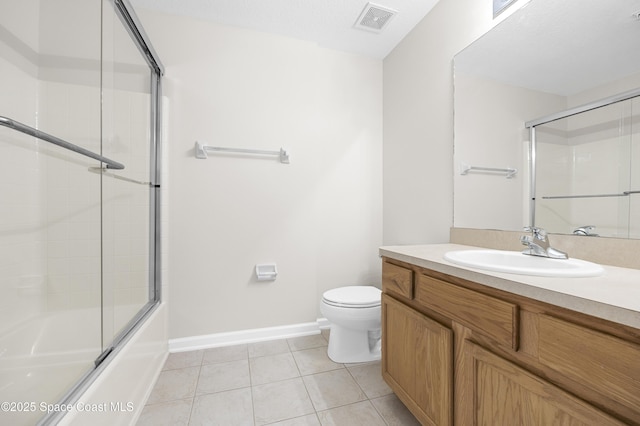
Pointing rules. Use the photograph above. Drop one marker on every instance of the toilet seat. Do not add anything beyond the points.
(353, 297)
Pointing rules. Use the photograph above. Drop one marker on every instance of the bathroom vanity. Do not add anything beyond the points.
(464, 346)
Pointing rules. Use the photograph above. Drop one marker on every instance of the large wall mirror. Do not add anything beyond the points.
(547, 57)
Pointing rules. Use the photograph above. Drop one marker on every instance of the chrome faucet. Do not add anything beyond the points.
(585, 230)
(538, 244)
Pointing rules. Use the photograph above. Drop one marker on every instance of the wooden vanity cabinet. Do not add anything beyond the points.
(418, 361)
(460, 353)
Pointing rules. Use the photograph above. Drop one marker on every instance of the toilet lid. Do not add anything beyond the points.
(353, 296)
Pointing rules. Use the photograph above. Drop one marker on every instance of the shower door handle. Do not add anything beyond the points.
(27, 130)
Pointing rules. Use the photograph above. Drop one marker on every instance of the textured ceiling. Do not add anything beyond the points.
(329, 23)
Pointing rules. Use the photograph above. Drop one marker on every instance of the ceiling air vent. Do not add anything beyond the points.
(374, 18)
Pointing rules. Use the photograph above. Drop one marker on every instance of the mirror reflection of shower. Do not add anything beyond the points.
(571, 153)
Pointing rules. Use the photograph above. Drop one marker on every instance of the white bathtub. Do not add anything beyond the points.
(41, 359)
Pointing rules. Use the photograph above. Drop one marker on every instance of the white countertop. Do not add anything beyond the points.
(614, 296)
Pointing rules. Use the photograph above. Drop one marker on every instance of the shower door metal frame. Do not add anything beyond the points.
(134, 27)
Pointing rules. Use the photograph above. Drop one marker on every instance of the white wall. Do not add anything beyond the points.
(490, 132)
(418, 121)
(319, 218)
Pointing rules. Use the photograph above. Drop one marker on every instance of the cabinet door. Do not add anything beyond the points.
(505, 394)
(417, 358)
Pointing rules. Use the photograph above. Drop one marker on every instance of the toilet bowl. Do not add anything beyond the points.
(354, 313)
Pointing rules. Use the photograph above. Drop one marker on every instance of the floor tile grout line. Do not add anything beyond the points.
(253, 406)
(367, 398)
(299, 371)
(251, 387)
(315, 411)
(304, 383)
(193, 401)
(357, 383)
(379, 413)
(195, 390)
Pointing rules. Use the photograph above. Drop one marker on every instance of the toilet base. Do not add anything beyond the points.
(350, 346)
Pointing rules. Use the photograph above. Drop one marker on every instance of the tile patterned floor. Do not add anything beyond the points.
(282, 382)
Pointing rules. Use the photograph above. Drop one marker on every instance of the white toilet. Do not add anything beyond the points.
(354, 313)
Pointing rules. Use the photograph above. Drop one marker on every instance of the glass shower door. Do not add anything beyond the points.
(78, 257)
(127, 194)
(50, 206)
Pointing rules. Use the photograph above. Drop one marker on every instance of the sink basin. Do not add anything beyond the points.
(514, 262)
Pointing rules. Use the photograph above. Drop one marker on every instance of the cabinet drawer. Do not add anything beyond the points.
(596, 359)
(397, 280)
(487, 315)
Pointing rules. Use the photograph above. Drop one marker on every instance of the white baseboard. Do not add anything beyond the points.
(215, 340)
